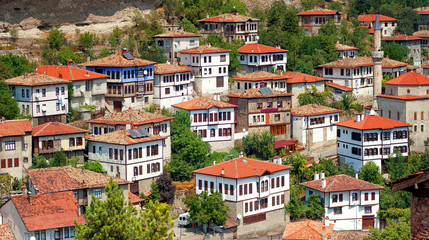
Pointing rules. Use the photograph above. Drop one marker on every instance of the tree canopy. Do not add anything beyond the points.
(370, 172)
(259, 145)
(207, 208)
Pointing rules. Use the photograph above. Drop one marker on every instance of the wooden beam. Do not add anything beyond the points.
(410, 183)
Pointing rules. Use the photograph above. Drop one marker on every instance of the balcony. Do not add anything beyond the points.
(83, 202)
(51, 149)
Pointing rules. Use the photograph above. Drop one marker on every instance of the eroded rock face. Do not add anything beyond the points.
(45, 14)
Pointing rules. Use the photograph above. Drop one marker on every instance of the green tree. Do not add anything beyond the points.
(313, 96)
(237, 5)
(327, 166)
(39, 162)
(207, 208)
(259, 145)
(156, 222)
(56, 38)
(115, 37)
(13, 32)
(399, 199)
(370, 172)
(5, 185)
(154, 192)
(17, 183)
(166, 188)
(299, 163)
(94, 165)
(395, 51)
(5, 72)
(395, 230)
(295, 207)
(8, 106)
(59, 160)
(188, 26)
(282, 17)
(86, 41)
(408, 21)
(18, 64)
(315, 207)
(308, 4)
(396, 166)
(347, 102)
(104, 53)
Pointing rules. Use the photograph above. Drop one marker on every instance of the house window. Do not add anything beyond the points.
(231, 189)
(206, 185)
(368, 209)
(167, 91)
(219, 82)
(79, 141)
(71, 142)
(10, 145)
(283, 181)
(340, 197)
(97, 192)
(223, 58)
(240, 190)
(200, 184)
(338, 210)
(226, 189)
(366, 196)
(43, 92)
(354, 196)
(373, 196)
(334, 198)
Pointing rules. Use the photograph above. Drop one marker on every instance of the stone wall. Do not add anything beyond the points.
(420, 215)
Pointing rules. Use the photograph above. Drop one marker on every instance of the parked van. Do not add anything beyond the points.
(183, 219)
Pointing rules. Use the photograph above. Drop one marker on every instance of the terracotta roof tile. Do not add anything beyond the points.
(411, 67)
(177, 34)
(425, 65)
(404, 97)
(421, 34)
(15, 128)
(164, 68)
(391, 63)
(371, 18)
(35, 79)
(362, 61)
(408, 177)
(260, 76)
(260, 48)
(255, 93)
(372, 122)
(6, 233)
(47, 211)
(69, 73)
(402, 37)
(318, 11)
(58, 179)
(56, 128)
(230, 223)
(117, 60)
(313, 109)
(307, 229)
(242, 168)
(134, 198)
(131, 116)
(422, 10)
(342, 47)
(203, 103)
(205, 49)
(297, 77)
(284, 143)
(338, 86)
(409, 79)
(122, 137)
(342, 182)
(229, 17)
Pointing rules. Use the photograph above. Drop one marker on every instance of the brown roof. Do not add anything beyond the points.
(401, 37)
(134, 198)
(372, 122)
(307, 229)
(255, 93)
(340, 183)
(117, 60)
(297, 77)
(6, 233)
(229, 17)
(47, 211)
(317, 11)
(35, 79)
(205, 49)
(203, 103)
(122, 137)
(409, 79)
(408, 181)
(362, 61)
(313, 109)
(56, 128)
(342, 47)
(57, 179)
(387, 63)
(131, 116)
(338, 86)
(242, 168)
(421, 34)
(371, 18)
(15, 128)
(164, 68)
(69, 73)
(260, 76)
(422, 10)
(177, 34)
(257, 48)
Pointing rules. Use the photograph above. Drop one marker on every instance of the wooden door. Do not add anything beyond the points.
(117, 106)
(367, 221)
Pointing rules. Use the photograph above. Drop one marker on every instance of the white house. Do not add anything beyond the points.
(257, 57)
(172, 42)
(42, 96)
(298, 83)
(172, 84)
(46, 216)
(211, 119)
(211, 68)
(350, 203)
(345, 51)
(255, 191)
(370, 138)
(388, 24)
(314, 123)
(133, 155)
(261, 79)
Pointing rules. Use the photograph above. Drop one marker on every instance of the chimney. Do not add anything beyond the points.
(360, 117)
(316, 176)
(323, 183)
(241, 154)
(23, 189)
(214, 162)
(207, 15)
(326, 221)
(29, 198)
(2, 119)
(69, 62)
(25, 75)
(322, 175)
(223, 172)
(357, 175)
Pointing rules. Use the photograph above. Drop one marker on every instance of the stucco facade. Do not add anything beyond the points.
(172, 42)
(313, 20)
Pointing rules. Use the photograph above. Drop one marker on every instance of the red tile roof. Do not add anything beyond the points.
(421, 34)
(255, 93)
(177, 34)
(131, 116)
(338, 86)
(313, 109)
(425, 65)
(409, 79)
(342, 182)
(260, 48)
(229, 17)
(134, 198)
(402, 37)
(203, 49)
(371, 18)
(342, 47)
(15, 128)
(35, 79)
(391, 63)
(69, 73)
(317, 11)
(203, 103)
(260, 76)
(165, 68)
(122, 137)
(350, 62)
(242, 168)
(6, 233)
(56, 128)
(307, 229)
(372, 122)
(59, 179)
(404, 97)
(117, 60)
(422, 10)
(297, 77)
(284, 143)
(47, 211)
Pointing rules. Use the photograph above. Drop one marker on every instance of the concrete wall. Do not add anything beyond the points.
(173, 45)
(11, 217)
(360, 79)
(94, 95)
(23, 151)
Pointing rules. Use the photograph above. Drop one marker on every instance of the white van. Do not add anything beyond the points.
(183, 219)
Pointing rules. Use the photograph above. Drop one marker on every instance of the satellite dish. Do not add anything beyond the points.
(239, 216)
